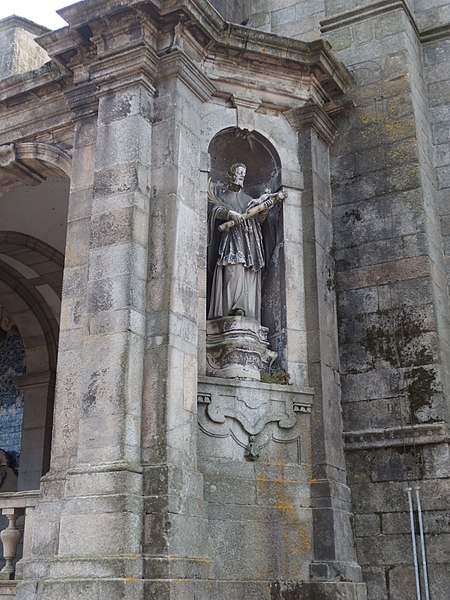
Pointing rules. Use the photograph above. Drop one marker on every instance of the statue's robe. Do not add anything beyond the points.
(237, 257)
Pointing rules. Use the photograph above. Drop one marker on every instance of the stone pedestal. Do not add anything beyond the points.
(237, 347)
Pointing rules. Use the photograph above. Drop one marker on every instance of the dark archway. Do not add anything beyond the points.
(30, 291)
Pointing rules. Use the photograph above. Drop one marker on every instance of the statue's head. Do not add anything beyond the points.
(236, 174)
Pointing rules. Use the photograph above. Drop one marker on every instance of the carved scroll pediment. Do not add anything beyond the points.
(251, 413)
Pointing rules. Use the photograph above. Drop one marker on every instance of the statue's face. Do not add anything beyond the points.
(239, 175)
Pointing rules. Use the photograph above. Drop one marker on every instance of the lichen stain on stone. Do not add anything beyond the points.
(285, 591)
(285, 506)
(351, 216)
(295, 533)
(393, 339)
(421, 388)
(89, 399)
(382, 124)
(396, 341)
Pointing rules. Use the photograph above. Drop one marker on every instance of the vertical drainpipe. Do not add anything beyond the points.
(413, 540)
(422, 545)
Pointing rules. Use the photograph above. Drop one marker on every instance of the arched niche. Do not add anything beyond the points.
(234, 145)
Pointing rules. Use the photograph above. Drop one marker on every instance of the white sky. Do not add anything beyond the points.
(39, 11)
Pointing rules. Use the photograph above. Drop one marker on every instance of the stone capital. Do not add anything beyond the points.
(245, 108)
(313, 116)
(178, 64)
(83, 100)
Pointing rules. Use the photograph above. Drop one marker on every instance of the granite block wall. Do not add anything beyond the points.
(235, 12)
(392, 291)
(18, 51)
(390, 179)
(299, 19)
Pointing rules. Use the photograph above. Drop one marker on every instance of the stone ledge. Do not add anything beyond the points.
(441, 32)
(7, 590)
(31, 81)
(428, 433)
(19, 499)
(366, 12)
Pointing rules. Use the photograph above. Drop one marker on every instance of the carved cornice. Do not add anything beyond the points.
(312, 116)
(409, 435)
(366, 12)
(178, 64)
(213, 34)
(46, 76)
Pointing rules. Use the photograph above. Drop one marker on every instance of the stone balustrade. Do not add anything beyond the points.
(12, 506)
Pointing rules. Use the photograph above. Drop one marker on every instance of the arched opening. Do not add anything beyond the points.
(256, 152)
(32, 242)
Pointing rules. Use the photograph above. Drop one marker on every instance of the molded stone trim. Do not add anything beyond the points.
(31, 81)
(420, 434)
(14, 157)
(178, 64)
(366, 12)
(441, 32)
(45, 152)
(314, 116)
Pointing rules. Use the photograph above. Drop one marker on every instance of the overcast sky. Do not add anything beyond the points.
(39, 11)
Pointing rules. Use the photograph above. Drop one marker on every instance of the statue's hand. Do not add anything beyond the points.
(235, 216)
(253, 203)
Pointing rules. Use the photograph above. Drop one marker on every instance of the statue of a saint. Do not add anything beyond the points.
(239, 259)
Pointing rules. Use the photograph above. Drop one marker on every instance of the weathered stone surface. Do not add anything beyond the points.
(250, 493)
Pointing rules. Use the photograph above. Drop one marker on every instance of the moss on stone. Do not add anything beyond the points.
(420, 388)
(280, 377)
(395, 340)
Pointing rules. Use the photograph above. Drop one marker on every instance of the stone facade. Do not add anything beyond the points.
(141, 475)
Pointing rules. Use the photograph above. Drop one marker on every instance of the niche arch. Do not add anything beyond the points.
(264, 170)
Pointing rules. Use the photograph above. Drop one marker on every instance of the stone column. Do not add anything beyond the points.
(95, 549)
(334, 557)
(44, 542)
(174, 545)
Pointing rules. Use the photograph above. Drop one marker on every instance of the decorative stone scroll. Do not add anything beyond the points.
(7, 155)
(251, 414)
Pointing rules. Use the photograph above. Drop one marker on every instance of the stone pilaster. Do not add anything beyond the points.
(334, 557)
(92, 506)
(175, 549)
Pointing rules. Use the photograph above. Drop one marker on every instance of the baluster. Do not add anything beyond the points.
(10, 538)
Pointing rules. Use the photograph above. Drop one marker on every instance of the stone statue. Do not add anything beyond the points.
(8, 479)
(239, 259)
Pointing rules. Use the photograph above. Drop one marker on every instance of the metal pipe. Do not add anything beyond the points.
(422, 546)
(413, 540)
